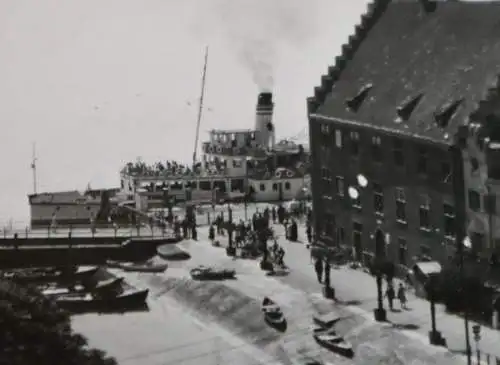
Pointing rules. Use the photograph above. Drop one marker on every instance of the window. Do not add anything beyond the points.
(325, 174)
(340, 185)
(425, 251)
(262, 187)
(400, 205)
(474, 200)
(424, 212)
(329, 225)
(275, 187)
(402, 251)
(399, 159)
(490, 204)
(446, 172)
(449, 220)
(354, 143)
(287, 186)
(422, 161)
(378, 199)
(338, 138)
(325, 129)
(376, 148)
(477, 242)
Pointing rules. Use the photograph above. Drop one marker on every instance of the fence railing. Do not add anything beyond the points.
(73, 232)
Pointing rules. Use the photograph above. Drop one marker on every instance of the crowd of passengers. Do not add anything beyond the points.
(174, 168)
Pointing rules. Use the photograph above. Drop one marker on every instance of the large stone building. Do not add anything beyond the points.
(412, 105)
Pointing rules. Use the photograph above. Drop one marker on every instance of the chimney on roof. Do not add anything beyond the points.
(264, 119)
(354, 103)
(429, 6)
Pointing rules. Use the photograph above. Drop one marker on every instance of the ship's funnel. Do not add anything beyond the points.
(264, 120)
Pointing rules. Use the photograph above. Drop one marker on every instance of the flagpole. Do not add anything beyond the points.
(33, 167)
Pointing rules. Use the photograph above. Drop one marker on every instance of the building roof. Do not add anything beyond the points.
(436, 66)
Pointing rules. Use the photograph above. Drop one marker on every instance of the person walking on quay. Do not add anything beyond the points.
(309, 233)
(194, 232)
(390, 294)
(211, 233)
(318, 268)
(273, 214)
(402, 296)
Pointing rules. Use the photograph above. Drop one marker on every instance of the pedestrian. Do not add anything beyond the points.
(390, 294)
(318, 267)
(211, 233)
(402, 296)
(309, 233)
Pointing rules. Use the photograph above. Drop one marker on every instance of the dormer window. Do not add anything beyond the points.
(405, 110)
(443, 117)
(355, 103)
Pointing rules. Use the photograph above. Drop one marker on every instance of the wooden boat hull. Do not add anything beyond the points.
(334, 343)
(41, 277)
(145, 268)
(101, 286)
(207, 274)
(86, 303)
(114, 264)
(273, 315)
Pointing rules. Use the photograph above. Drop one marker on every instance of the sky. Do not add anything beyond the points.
(95, 84)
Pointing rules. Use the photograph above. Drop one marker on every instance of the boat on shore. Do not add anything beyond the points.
(211, 273)
(145, 267)
(88, 302)
(111, 284)
(273, 315)
(48, 275)
(329, 339)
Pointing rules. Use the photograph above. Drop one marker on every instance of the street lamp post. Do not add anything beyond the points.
(246, 188)
(435, 336)
(476, 329)
(380, 313)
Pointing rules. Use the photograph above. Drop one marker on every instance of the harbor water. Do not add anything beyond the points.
(167, 334)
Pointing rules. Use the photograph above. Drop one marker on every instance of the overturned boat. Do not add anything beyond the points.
(211, 273)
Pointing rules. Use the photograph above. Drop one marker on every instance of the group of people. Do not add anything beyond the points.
(252, 237)
(173, 168)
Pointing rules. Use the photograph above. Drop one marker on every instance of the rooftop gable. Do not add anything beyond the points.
(429, 67)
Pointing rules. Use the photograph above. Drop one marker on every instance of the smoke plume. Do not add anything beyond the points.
(257, 29)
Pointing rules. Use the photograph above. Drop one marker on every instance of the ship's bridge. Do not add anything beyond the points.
(233, 143)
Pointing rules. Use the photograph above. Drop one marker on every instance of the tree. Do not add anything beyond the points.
(36, 331)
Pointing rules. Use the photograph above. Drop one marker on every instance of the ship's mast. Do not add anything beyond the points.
(33, 167)
(200, 107)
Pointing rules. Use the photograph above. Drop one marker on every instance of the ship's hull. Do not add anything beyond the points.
(64, 212)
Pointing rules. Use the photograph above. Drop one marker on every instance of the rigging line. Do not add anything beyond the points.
(200, 107)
